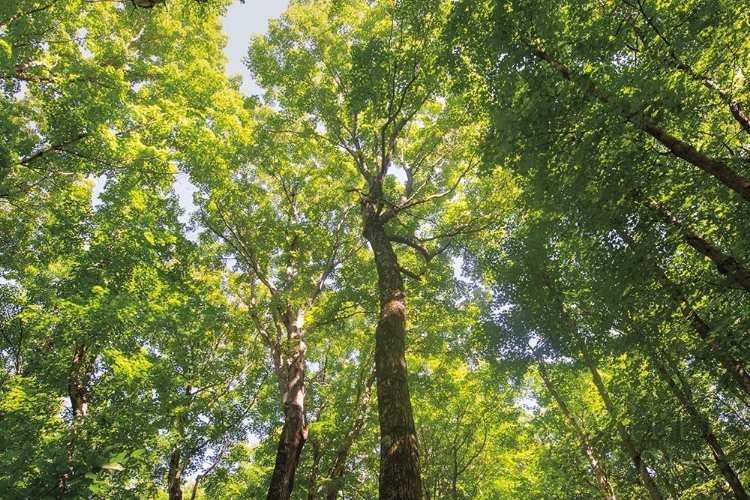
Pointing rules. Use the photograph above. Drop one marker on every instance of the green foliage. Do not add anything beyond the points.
(518, 145)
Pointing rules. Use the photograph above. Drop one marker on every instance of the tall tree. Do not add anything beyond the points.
(287, 224)
(380, 97)
(135, 362)
(602, 480)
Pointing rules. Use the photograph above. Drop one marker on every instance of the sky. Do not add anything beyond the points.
(242, 21)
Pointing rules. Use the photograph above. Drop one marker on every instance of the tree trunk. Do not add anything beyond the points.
(605, 487)
(399, 456)
(174, 476)
(720, 170)
(627, 440)
(178, 461)
(725, 264)
(734, 367)
(293, 437)
(294, 430)
(339, 463)
(734, 105)
(80, 375)
(79, 378)
(704, 428)
(313, 489)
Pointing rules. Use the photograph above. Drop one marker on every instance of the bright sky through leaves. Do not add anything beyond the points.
(241, 22)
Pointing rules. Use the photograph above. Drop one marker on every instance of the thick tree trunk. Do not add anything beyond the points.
(720, 170)
(294, 432)
(174, 475)
(293, 437)
(725, 264)
(399, 456)
(704, 428)
(605, 487)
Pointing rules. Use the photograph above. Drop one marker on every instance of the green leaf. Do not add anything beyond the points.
(114, 466)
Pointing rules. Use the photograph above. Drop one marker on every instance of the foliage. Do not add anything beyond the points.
(564, 186)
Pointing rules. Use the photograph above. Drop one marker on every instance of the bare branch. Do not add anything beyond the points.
(331, 262)
(404, 204)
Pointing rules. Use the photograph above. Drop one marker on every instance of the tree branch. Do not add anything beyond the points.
(719, 169)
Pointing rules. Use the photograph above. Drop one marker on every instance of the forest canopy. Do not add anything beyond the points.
(455, 250)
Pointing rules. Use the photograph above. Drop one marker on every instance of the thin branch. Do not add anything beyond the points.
(332, 262)
(417, 245)
(53, 147)
(243, 249)
(410, 274)
(29, 12)
(405, 204)
(719, 169)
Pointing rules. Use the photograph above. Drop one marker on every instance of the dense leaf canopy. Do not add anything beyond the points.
(455, 250)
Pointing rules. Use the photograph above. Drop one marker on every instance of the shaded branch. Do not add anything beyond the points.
(53, 147)
(27, 13)
(717, 168)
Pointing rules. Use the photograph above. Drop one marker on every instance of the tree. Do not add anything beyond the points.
(379, 97)
(560, 189)
(603, 482)
(288, 226)
(88, 91)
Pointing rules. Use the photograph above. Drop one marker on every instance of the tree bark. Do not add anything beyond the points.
(627, 440)
(79, 379)
(174, 475)
(704, 428)
(734, 105)
(735, 108)
(286, 338)
(179, 457)
(81, 372)
(294, 431)
(399, 456)
(716, 168)
(313, 488)
(605, 487)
